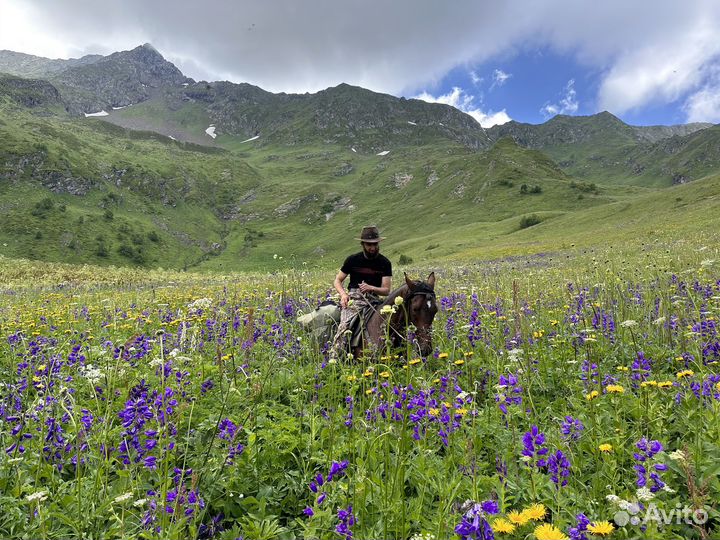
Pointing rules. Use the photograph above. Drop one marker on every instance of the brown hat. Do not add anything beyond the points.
(370, 235)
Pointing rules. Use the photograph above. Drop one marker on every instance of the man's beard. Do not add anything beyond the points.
(371, 255)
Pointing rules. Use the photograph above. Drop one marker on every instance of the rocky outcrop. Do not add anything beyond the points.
(29, 92)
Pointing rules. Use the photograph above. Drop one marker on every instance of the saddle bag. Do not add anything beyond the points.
(321, 322)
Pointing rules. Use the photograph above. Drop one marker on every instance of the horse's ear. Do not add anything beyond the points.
(431, 280)
(410, 284)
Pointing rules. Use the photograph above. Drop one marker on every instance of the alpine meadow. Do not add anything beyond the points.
(160, 237)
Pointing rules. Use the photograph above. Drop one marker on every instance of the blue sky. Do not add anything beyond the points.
(533, 86)
(646, 61)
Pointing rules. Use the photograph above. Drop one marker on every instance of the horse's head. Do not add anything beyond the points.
(421, 309)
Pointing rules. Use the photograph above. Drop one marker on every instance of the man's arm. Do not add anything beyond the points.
(338, 284)
(382, 290)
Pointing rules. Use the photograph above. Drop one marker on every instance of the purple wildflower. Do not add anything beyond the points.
(533, 442)
(571, 428)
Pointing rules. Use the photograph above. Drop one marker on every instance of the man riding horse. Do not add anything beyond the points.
(370, 277)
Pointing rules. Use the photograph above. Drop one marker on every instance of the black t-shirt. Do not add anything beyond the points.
(371, 271)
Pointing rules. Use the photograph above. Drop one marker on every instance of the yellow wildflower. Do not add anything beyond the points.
(648, 383)
(414, 361)
(605, 447)
(547, 531)
(601, 528)
(432, 411)
(502, 526)
(385, 374)
(443, 355)
(461, 411)
(518, 518)
(368, 373)
(535, 511)
(623, 368)
(459, 362)
(685, 373)
(665, 384)
(614, 389)
(592, 395)
(469, 353)
(351, 378)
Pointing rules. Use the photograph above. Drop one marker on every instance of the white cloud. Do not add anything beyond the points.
(567, 105)
(660, 72)
(476, 79)
(464, 102)
(499, 78)
(704, 105)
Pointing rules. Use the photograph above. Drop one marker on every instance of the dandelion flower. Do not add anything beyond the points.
(665, 384)
(385, 374)
(459, 362)
(685, 373)
(605, 447)
(502, 526)
(592, 395)
(601, 528)
(535, 512)
(547, 531)
(443, 355)
(414, 361)
(614, 389)
(518, 518)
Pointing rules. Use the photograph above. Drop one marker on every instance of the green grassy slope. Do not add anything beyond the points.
(83, 190)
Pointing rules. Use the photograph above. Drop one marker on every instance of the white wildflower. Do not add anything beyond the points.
(200, 303)
(139, 503)
(124, 497)
(678, 455)
(91, 373)
(668, 489)
(398, 300)
(644, 494)
(155, 362)
(174, 353)
(629, 323)
(385, 310)
(514, 354)
(659, 321)
(613, 498)
(37, 496)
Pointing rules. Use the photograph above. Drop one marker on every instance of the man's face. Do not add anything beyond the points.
(371, 249)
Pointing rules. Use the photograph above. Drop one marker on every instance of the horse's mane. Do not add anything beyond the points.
(400, 291)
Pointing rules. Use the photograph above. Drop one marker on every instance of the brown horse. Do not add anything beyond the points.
(418, 310)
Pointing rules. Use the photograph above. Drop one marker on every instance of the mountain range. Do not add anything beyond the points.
(121, 159)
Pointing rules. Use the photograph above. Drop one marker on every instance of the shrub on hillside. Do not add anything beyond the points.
(529, 221)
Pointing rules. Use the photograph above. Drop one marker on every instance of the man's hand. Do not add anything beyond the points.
(365, 288)
(344, 300)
